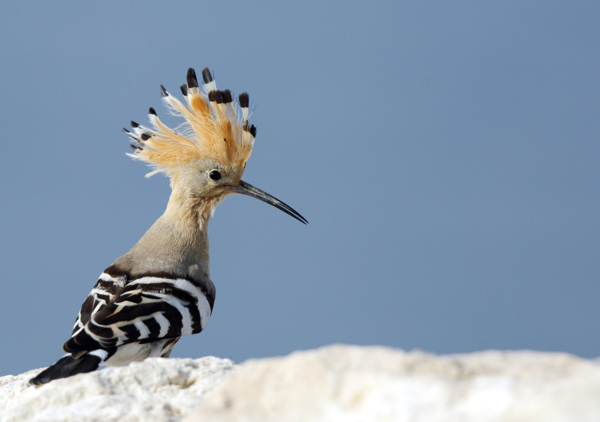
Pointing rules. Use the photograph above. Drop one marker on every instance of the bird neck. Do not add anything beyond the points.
(186, 218)
(176, 243)
(188, 212)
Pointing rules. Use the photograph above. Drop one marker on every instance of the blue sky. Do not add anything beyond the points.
(446, 155)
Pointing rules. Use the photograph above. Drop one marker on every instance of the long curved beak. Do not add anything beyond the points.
(249, 190)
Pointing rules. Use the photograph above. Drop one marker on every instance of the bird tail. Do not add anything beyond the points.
(68, 366)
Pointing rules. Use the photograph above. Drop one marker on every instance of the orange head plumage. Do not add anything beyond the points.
(214, 129)
(205, 156)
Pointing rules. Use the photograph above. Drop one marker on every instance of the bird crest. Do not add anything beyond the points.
(214, 129)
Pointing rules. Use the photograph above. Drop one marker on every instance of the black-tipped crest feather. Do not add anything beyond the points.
(216, 96)
(244, 100)
(206, 75)
(227, 98)
(192, 81)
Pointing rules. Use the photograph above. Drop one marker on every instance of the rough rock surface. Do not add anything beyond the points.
(345, 383)
(334, 383)
(153, 390)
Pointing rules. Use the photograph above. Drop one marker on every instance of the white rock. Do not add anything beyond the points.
(153, 390)
(349, 383)
(335, 383)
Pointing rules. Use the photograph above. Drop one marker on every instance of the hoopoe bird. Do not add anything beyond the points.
(161, 289)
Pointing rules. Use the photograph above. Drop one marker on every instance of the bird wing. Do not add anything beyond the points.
(121, 310)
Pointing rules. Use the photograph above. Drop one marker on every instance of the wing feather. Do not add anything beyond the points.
(119, 311)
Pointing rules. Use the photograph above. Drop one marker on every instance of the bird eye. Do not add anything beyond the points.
(214, 174)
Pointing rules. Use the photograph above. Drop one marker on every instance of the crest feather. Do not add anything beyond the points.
(213, 129)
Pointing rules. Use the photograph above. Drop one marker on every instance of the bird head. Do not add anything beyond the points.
(204, 157)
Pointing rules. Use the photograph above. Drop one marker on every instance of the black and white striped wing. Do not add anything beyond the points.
(106, 290)
(143, 310)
